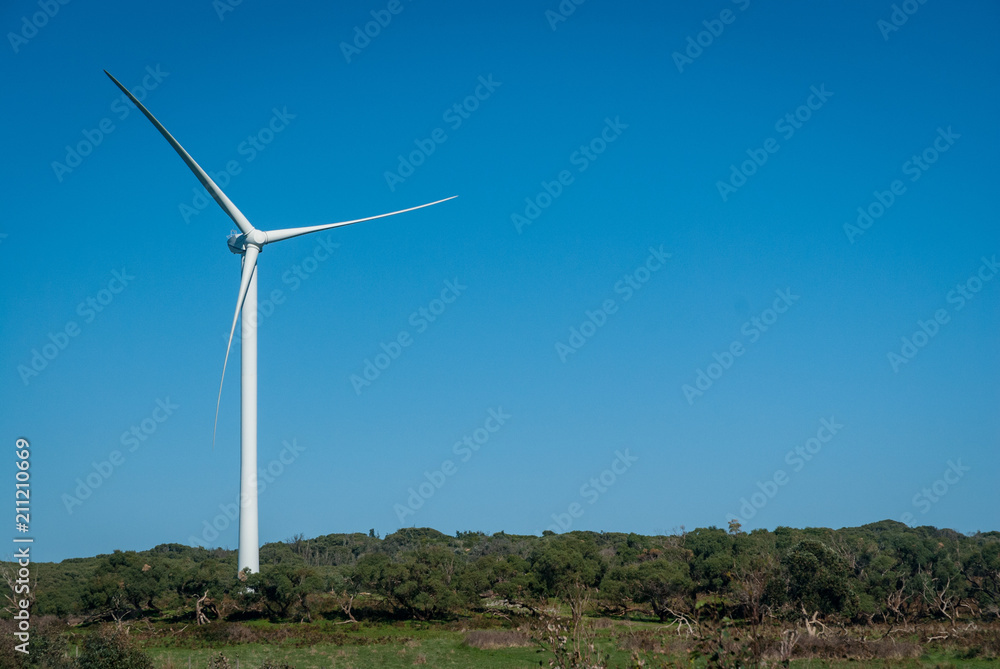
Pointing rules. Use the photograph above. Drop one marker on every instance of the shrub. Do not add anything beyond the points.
(219, 661)
(47, 646)
(111, 648)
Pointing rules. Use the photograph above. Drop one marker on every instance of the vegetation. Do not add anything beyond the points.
(111, 648)
(711, 596)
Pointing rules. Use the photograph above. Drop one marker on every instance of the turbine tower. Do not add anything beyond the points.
(249, 243)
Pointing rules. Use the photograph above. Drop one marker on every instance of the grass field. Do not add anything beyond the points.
(397, 645)
(390, 646)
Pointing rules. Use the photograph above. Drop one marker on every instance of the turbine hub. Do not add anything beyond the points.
(238, 243)
(256, 237)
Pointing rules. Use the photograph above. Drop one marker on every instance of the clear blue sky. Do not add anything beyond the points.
(641, 139)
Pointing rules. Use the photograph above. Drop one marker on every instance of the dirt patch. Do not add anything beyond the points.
(489, 639)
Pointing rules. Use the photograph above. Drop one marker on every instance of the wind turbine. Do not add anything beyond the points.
(249, 244)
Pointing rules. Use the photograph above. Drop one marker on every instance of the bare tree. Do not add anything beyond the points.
(811, 622)
(203, 605)
(937, 597)
(9, 572)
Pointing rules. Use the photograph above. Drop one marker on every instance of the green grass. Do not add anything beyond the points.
(429, 648)
(446, 651)
(931, 661)
(324, 645)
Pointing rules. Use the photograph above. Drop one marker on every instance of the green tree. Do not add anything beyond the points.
(127, 582)
(711, 557)
(981, 569)
(663, 583)
(208, 578)
(568, 566)
(817, 578)
(426, 583)
(283, 586)
(503, 577)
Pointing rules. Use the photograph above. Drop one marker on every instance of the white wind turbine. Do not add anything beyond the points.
(248, 244)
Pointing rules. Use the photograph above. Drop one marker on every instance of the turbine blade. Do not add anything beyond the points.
(249, 266)
(227, 206)
(278, 235)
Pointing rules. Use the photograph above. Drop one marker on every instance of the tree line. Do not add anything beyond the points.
(881, 573)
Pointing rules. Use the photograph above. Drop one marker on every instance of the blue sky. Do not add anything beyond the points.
(691, 208)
